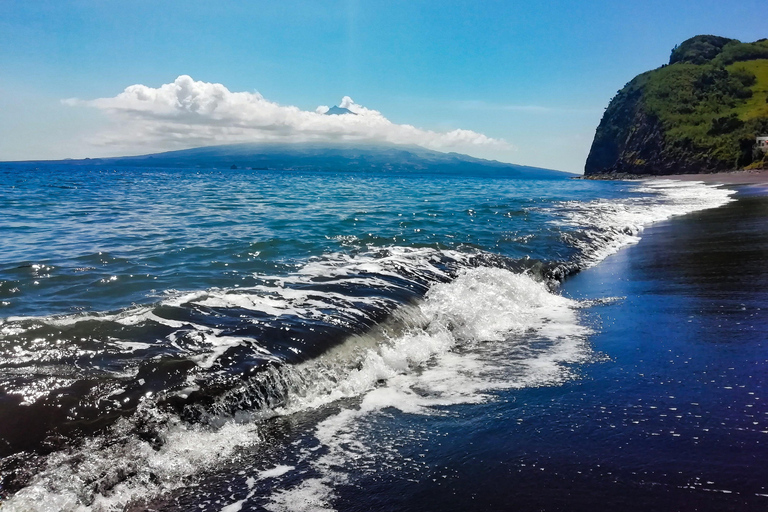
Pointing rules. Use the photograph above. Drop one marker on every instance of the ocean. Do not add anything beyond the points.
(226, 340)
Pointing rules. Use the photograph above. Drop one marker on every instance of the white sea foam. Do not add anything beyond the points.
(281, 298)
(607, 225)
(473, 341)
(276, 471)
(104, 476)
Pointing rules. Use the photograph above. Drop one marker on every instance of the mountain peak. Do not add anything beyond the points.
(699, 49)
(337, 111)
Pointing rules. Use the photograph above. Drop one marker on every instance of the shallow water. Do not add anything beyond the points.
(280, 341)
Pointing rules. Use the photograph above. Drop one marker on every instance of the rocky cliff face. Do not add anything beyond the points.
(628, 140)
(700, 113)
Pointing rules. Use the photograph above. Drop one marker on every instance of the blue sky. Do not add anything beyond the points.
(533, 78)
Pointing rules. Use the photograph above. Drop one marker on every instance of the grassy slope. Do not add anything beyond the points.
(757, 105)
(709, 104)
(713, 109)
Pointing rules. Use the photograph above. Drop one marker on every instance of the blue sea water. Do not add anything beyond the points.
(184, 339)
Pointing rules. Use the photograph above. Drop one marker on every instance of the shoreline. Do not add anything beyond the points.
(685, 336)
(751, 177)
(756, 177)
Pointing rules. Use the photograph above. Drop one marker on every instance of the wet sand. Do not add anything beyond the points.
(755, 177)
(679, 408)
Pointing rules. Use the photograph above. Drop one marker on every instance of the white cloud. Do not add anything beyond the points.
(349, 104)
(189, 113)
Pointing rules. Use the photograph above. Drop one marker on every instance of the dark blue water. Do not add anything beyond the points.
(110, 236)
(349, 341)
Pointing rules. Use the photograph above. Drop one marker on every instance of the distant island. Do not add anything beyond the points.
(704, 112)
(352, 156)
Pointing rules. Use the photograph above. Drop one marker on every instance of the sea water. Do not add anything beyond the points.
(256, 340)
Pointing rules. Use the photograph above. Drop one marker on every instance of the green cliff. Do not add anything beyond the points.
(700, 113)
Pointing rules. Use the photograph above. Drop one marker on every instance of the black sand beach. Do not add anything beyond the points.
(680, 409)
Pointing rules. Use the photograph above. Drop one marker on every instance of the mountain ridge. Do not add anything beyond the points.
(317, 157)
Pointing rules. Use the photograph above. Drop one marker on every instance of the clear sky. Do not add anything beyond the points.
(523, 82)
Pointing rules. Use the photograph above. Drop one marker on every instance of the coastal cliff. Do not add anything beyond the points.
(700, 113)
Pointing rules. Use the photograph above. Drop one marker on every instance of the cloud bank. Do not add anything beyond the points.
(189, 113)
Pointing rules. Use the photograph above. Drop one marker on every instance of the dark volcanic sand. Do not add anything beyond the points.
(731, 178)
(686, 389)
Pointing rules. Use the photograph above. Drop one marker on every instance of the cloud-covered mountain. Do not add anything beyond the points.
(193, 113)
